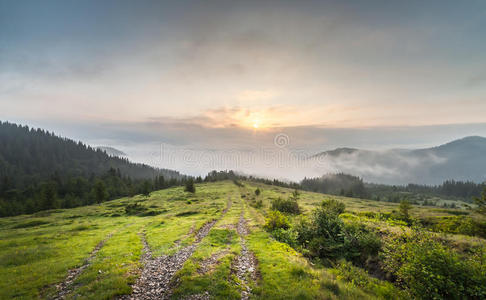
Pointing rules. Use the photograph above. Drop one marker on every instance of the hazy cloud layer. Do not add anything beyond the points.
(333, 63)
(286, 153)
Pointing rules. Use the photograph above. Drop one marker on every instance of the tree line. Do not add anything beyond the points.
(353, 186)
(29, 155)
(39, 170)
(69, 192)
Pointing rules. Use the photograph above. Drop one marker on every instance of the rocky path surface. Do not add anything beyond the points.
(245, 264)
(155, 282)
(210, 263)
(66, 286)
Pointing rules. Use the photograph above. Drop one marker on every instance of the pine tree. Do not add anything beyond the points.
(404, 208)
(100, 192)
(146, 188)
(190, 187)
(49, 195)
(481, 203)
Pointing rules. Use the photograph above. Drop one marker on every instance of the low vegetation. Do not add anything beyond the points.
(332, 248)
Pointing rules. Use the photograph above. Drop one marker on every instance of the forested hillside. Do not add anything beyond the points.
(28, 154)
(433, 195)
(39, 170)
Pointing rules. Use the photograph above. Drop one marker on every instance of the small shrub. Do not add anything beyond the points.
(257, 192)
(324, 235)
(404, 210)
(481, 203)
(276, 220)
(257, 203)
(368, 214)
(237, 183)
(150, 213)
(360, 243)
(345, 271)
(332, 206)
(286, 205)
(134, 209)
(190, 187)
(288, 236)
(300, 272)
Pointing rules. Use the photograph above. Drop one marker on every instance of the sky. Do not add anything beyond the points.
(233, 75)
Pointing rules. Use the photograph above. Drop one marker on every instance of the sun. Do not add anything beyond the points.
(255, 124)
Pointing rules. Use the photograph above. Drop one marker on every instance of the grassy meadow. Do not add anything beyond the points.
(37, 251)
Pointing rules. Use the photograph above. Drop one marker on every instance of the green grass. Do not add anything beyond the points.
(113, 269)
(36, 251)
(223, 243)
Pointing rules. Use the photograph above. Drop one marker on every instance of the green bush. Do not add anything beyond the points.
(458, 225)
(345, 271)
(257, 203)
(276, 220)
(324, 235)
(404, 210)
(327, 236)
(332, 206)
(288, 236)
(289, 206)
(360, 243)
(135, 208)
(428, 270)
(189, 186)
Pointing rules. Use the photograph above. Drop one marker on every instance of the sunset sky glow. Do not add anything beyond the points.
(243, 65)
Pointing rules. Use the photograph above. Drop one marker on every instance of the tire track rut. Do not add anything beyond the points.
(156, 282)
(245, 264)
(67, 286)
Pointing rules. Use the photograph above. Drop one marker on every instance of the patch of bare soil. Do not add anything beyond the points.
(245, 264)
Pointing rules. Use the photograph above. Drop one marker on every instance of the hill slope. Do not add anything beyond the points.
(39, 170)
(212, 244)
(462, 159)
(28, 155)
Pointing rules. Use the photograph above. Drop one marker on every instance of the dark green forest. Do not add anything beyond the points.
(336, 184)
(39, 170)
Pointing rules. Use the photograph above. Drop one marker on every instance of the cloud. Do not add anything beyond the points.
(256, 95)
(476, 80)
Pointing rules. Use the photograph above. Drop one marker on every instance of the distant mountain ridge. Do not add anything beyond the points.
(463, 159)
